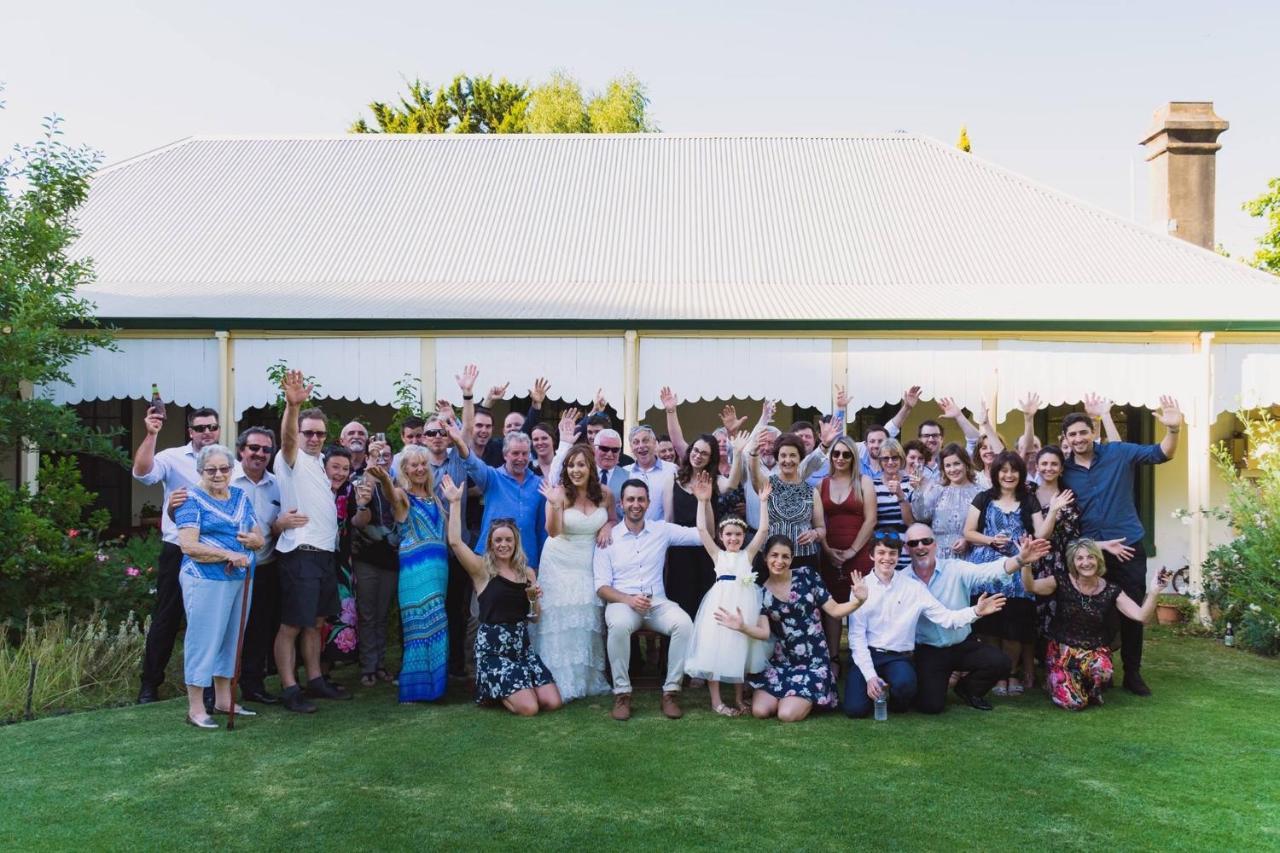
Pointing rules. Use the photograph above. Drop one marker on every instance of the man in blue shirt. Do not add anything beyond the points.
(511, 491)
(941, 651)
(1101, 478)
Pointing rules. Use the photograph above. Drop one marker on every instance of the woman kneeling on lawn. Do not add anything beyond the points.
(218, 534)
(1078, 656)
(506, 666)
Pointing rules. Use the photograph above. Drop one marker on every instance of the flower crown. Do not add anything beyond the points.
(732, 520)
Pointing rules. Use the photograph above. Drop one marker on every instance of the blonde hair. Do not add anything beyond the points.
(892, 447)
(519, 562)
(1090, 547)
(413, 451)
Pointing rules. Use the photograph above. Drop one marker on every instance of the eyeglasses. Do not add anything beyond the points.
(435, 433)
(916, 543)
(259, 448)
(203, 428)
(605, 449)
(841, 454)
(931, 435)
(217, 469)
(314, 433)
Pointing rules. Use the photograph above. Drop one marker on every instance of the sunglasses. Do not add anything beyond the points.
(204, 428)
(259, 448)
(889, 537)
(916, 543)
(604, 449)
(217, 469)
(841, 454)
(314, 433)
(435, 433)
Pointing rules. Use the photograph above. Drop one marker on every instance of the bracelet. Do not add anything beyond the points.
(362, 507)
(1175, 430)
(468, 396)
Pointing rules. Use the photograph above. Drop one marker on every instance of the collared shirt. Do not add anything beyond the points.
(808, 465)
(953, 583)
(1104, 490)
(887, 619)
(507, 497)
(305, 487)
(635, 560)
(657, 478)
(265, 497)
(175, 468)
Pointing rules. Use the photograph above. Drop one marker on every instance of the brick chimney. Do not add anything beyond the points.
(1181, 148)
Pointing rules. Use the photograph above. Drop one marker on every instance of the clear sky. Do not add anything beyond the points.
(1061, 92)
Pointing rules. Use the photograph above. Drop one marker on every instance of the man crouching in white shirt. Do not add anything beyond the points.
(882, 632)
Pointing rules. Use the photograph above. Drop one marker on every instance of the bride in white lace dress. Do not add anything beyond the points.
(570, 634)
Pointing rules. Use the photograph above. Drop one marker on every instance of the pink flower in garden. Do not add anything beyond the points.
(131, 571)
(102, 558)
(73, 533)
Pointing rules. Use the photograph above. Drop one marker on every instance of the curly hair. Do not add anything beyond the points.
(595, 492)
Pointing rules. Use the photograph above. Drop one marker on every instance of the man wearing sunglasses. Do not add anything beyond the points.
(174, 468)
(941, 651)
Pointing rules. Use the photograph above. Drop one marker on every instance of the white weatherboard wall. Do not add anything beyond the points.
(796, 371)
(186, 369)
(363, 369)
(576, 367)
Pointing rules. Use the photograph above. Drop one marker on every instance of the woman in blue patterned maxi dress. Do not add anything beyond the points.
(424, 573)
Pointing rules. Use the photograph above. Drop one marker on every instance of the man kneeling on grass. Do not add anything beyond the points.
(882, 632)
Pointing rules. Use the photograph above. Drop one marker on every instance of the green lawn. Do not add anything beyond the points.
(1196, 766)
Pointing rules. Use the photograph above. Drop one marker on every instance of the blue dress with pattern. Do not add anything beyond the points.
(801, 663)
(424, 574)
(994, 522)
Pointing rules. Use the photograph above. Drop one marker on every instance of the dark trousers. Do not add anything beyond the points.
(1131, 577)
(261, 627)
(376, 587)
(167, 617)
(895, 668)
(985, 663)
(457, 610)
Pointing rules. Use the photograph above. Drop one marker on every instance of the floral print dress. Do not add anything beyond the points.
(801, 663)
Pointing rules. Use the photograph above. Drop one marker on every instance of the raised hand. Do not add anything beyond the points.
(858, 586)
(911, 397)
(364, 492)
(980, 414)
(1032, 550)
(765, 491)
(600, 404)
(1162, 579)
(1031, 404)
(455, 431)
(767, 410)
(1170, 413)
(732, 621)
(497, 392)
(842, 398)
(988, 604)
(154, 422)
(444, 409)
(729, 417)
(1117, 548)
(739, 441)
(296, 389)
(569, 426)
(538, 393)
(553, 494)
(828, 431)
(1061, 500)
(950, 409)
(668, 398)
(467, 379)
(702, 486)
(452, 491)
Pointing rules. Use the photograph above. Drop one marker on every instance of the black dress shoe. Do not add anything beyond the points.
(978, 702)
(293, 700)
(259, 695)
(147, 695)
(1135, 685)
(322, 688)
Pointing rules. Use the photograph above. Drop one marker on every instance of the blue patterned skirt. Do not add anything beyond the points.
(506, 662)
(424, 574)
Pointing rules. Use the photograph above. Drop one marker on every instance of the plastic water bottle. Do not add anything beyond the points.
(882, 705)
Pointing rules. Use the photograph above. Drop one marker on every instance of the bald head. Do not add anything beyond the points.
(921, 548)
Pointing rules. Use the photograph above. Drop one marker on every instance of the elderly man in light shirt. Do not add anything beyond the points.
(655, 473)
(628, 576)
(941, 651)
(882, 632)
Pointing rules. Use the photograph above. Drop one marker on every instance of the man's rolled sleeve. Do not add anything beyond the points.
(602, 568)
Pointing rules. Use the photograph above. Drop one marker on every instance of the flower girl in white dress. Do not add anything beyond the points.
(718, 653)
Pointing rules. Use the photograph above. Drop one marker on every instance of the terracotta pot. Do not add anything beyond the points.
(1168, 614)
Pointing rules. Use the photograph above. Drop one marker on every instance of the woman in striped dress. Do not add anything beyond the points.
(893, 495)
(424, 573)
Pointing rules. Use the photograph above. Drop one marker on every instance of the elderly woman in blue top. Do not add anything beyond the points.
(218, 534)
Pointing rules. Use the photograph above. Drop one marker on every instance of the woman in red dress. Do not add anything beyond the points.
(849, 506)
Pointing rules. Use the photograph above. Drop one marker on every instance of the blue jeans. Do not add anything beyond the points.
(894, 668)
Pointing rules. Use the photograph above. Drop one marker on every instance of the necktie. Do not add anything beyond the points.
(604, 478)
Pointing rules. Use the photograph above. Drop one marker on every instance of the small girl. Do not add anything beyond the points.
(718, 653)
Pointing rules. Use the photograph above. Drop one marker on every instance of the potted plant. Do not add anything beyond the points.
(149, 515)
(1172, 609)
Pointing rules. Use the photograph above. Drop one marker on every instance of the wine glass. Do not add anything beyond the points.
(646, 589)
(531, 592)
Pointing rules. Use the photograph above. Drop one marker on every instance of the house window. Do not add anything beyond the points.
(110, 481)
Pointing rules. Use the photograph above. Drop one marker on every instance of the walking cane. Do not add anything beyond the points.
(235, 679)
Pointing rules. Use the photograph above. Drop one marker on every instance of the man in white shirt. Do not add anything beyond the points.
(882, 632)
(655, 473)
(628, 576)
(174, 468)
(308, 576)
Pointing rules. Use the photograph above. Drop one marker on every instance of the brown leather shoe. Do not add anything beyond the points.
(671, 706)
(621, 707)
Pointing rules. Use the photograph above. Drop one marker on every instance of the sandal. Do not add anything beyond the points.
(383, 675)
(368, 679)
(999, 690)
(1015, 688)
(724, 710)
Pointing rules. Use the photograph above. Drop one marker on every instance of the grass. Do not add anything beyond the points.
(1195, 767)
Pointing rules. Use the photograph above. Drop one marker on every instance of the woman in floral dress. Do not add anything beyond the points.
(945, 506)
(798, 675)
(339, 636)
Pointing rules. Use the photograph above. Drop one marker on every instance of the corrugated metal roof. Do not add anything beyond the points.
(626, 228)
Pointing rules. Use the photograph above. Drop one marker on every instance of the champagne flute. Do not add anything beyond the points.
(531, 592)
